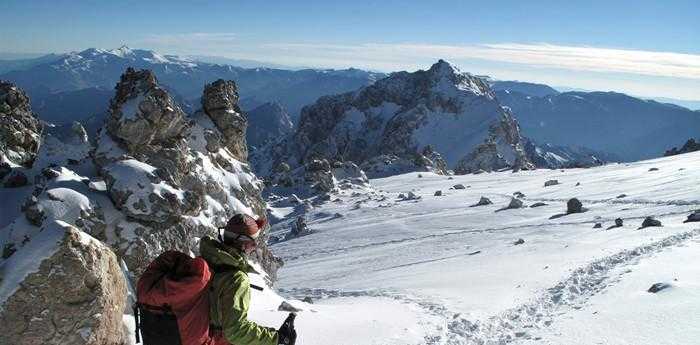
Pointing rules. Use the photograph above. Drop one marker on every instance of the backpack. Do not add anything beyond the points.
(172, 305)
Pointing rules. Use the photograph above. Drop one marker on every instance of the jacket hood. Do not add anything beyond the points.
(218, 254)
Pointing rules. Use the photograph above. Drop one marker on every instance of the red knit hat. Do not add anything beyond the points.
(242, 224)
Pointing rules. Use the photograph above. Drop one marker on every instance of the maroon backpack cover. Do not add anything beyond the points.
(173, 302)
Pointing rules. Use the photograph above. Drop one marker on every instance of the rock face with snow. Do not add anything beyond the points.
(177, 179)
(556, 157)
(690, 146)
(20, 131)
(266, 123)
(440, 114)
(220, 103)
(501, 149)
(89, 308)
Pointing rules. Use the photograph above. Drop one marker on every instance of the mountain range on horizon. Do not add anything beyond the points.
(78, 86)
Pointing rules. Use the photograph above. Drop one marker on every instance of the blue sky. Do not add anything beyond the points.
(646, 48)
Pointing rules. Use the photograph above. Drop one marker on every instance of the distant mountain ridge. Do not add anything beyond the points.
(101, 68)
(627, 127)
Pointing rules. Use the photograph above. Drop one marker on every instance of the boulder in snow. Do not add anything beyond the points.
(482, 202)
(538, 204)
(513, 204)
(438, 193)
(574, 206)
(693, 217)
(551, 183)
(92, 298)
(656, 287)
(459, 186)
(519, 242)
(649, 222)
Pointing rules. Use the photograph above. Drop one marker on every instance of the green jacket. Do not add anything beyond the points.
(230, 296)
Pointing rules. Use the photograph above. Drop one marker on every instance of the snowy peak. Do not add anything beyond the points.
(443, 68)
(399, 116)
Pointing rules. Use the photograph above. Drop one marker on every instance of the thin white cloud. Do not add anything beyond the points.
(592, 59)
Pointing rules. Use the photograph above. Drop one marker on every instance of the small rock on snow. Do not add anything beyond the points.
(551, 183)
(483, 201)
(285, 306)
(658, 287)
(574, 206)
(438, 193)
(597, 226)
(459, 186)
(650, 221)
(519, 241)
(693, 217)
(538, 204)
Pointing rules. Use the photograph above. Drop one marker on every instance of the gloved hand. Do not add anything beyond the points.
(287, 335)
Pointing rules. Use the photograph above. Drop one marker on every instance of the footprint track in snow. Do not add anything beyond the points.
(513, 324)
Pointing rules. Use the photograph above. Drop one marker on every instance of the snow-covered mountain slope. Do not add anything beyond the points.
(436, 271)
(454, 113)
(628, 127)
(553, 156)
(100, 68)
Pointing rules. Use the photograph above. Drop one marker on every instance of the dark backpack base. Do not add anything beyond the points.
(158, 326)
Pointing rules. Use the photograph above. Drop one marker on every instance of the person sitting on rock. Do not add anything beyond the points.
(230, 286)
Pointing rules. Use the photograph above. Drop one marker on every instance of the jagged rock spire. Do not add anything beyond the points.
(20, 131)
(220, 103)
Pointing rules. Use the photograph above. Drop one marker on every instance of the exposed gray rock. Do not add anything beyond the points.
(650, 222)
(513, 204)
(690, 146)
(459, 186)
(162, 169)
(220, 102)
(551, 183)
(285, 306)
(618, 222)
(519, 195)
(438, 193)
(20, 131)
(482, 202)
(299, 228)
(597, 226)
(403, 119)
(574, 206)
(693, 217)
(653, 169)
(621, 196)
(92, 298)
(656, 287)
(538, 204)
(519, 242)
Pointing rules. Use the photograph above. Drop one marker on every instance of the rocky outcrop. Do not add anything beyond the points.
(555, 157)
(175, 172)
(220, 103)
(89, 308)
(317, 176)
(422, 121)
(690, 146)
(20, 131)
(502, 149)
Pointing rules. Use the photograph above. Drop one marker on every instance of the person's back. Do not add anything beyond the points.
(229, 290)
